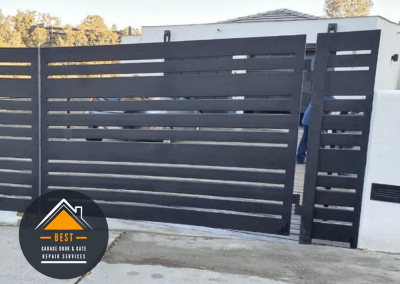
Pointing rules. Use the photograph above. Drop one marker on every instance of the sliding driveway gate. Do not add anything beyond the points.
(183, 159)
(215, 176)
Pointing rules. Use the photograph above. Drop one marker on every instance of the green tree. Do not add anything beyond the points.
(97, 31)
(92, 31)
(72, 37)
(8, 36)
(30, 25)
(23, 23)
(347, 8)
(48, 20)
(38, 37)
(30, 29)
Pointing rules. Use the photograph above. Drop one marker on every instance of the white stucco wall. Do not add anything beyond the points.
(380, 221)
(388, 72)
(240, 30)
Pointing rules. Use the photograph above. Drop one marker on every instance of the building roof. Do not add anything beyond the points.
(271, 16)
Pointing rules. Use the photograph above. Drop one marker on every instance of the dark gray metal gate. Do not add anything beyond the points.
(215, 176)
(235, 172)
(339, 131)
(19, 147)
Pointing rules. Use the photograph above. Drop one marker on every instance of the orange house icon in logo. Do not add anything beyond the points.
(64, 217)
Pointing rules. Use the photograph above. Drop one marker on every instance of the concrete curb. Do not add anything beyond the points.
(9, 218)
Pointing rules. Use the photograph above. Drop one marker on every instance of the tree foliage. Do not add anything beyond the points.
(38, 37)
(30, 29)
(23, 22)
(9, 37)
(72, 37)
(97, 31)
(133, 31)
(347, 8)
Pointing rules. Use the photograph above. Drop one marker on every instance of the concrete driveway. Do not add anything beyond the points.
(140, 252)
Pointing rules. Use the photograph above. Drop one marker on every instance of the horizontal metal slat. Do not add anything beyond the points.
(185, 49)
(175, 66)
(350, 83)
(332, 232)
(193, 187)
(337, 182)
(197, 218)
(16, 131)
(16, 118)
(174, 135)
(170, 171)
(345, 140)
(15, 105)
(350, 41)
(16, 178)
(16, 149)
(335, 198)
(359, 60)
(14, 204)
(333, 214)
(185, 201)
(18, 88)
(344, 122)
(16, 165)
(15, 191)
(16, 70)
(345, 105)
(254, 84)
(340, 161)
(280, 121)
(212, 155)
(18, 55)
(174, 105)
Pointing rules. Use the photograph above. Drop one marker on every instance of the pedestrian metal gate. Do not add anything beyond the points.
(339, 132)
(223, 167)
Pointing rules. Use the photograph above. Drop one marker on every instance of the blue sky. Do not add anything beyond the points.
(169, 12)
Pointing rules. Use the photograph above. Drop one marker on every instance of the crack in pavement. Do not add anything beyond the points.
(106, 252)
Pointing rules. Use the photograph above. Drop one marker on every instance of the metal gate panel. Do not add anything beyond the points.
(19, 148)
(223, 169)
(338, 139)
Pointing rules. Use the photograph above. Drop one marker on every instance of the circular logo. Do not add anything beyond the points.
(63, 234)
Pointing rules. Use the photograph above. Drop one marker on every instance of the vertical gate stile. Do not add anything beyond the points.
(35, 126)
(293, 132)
(310, 180)
(43, 122)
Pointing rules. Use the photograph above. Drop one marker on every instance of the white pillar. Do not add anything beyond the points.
(380, 221)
